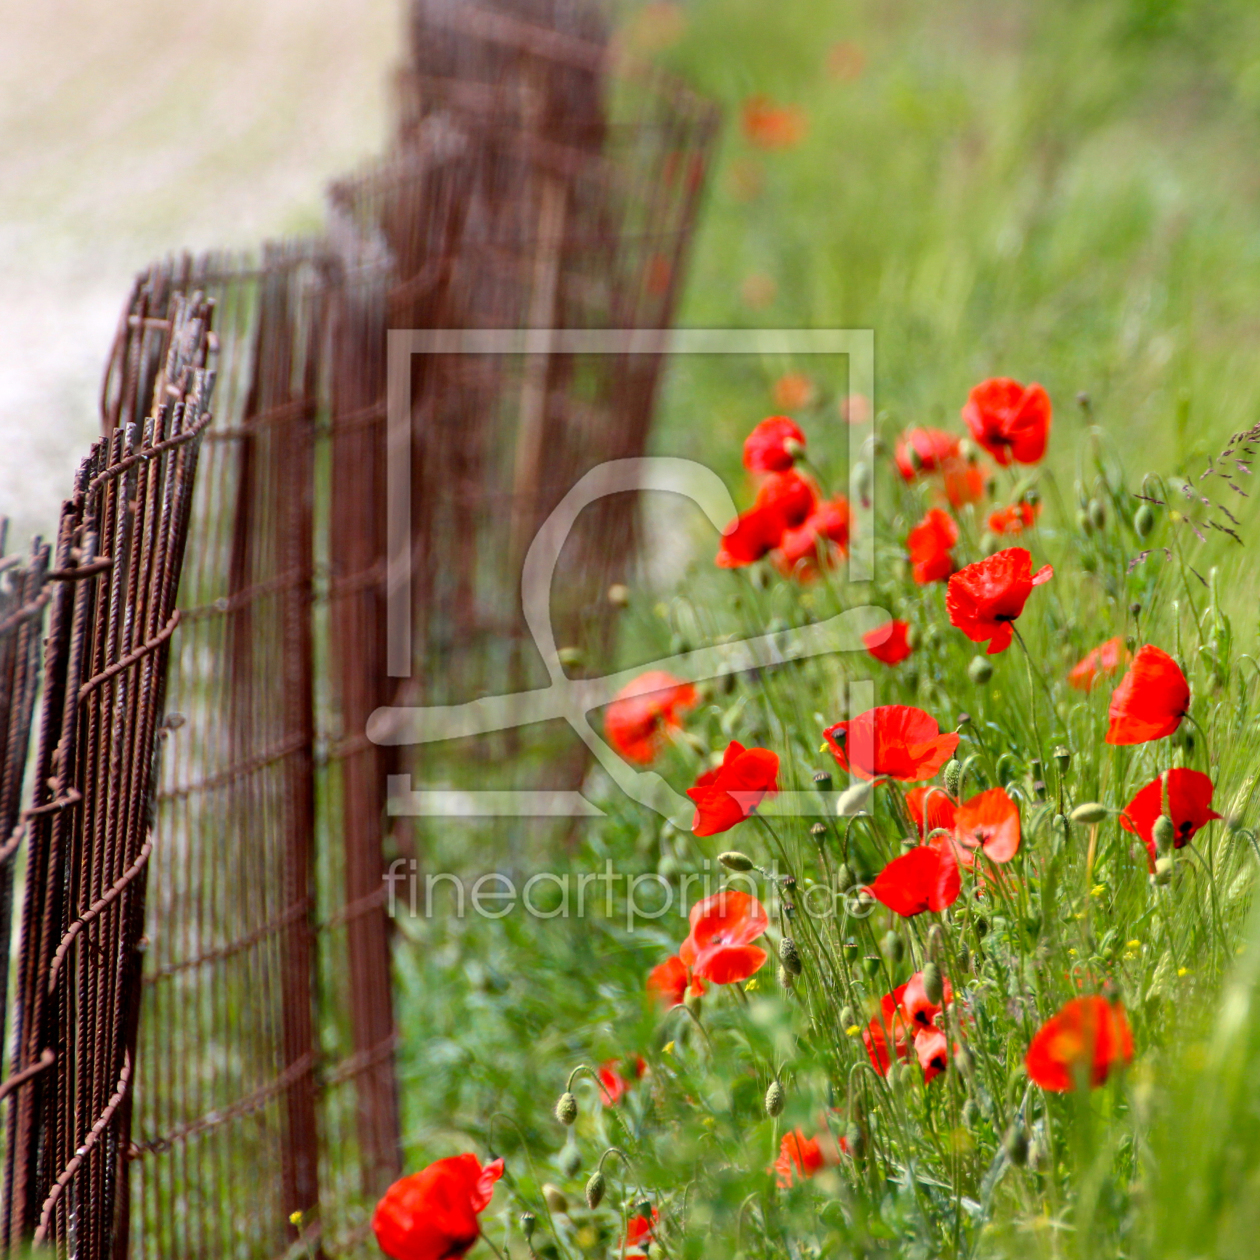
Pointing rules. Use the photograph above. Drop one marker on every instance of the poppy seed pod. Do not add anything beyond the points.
(933, 985)
(557, 1204)
(595, 1190)
(566, 1108)
(1015, 1144)
(570, 1159)
(1143, 520)
(872, 963)
(776, 1100)
(1089, 813)
(528, 1222)
(819, 832)
(953, 776)
(980, 670)
(1062, 758)
(1164, 833)
(736, 861)
(789, 956)
(822, 780)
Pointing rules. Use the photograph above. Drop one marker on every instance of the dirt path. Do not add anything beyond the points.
(134, 128)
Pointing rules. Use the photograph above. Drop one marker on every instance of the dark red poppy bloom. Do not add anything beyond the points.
(726, 795)
(929, 544)
(984, 599)
(773, 446)
(1011, 421)
(932, 1051)
(723, 927)
(644, 709)
(925, 878)
(771, 126)
(1184, 795)
(896, 741)
(672, 981)
(1106, 658)
(613, 1084)
(824, 534)
(801, 1157)
(1014, 519)
(432, 1215)
(932, 809)
(1151, 699)
(924, 451)
(785, 501)
(1083, 1042)
(918, 1010)
(639, 1229)
(990, 822)
(888, 643)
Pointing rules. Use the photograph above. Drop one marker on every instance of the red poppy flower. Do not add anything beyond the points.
(924, 451)
(432, 1215)
(723, 927)
(793, 390)
(989, 821)
(1106, 658)
(925, 878)
(963, 482)
(785, 501)
(773, 445)
(888, 643)
(890, 1022)
(671, 982)
(639, 1229)
(1188, 794)
(643, 710)
(929, 544)
(1014, 519)
(984, 599)
(771, 126)
(801, 1157)
(1011, 421)
(726, 795)
(932, 1051)
(1151, 699)
(829, 523)
(932, 809)
(896, 741)
(1087, 1038)
(612, 1084)
(920, 1012)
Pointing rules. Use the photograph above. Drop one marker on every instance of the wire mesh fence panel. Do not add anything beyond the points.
(120, 548)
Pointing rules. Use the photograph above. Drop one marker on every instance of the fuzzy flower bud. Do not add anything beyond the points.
(933, 985)
(789, 956)
(1090, 812)
(736, 861)
(570, 1159)
(953, 776)
(1015, 1144)
(556, 1202)
(595, 1190)
(936, 942)
(980, 670)
(893, 947)
(776, 1100)
(1143, 520)
(1163, 833)
(566, 1108)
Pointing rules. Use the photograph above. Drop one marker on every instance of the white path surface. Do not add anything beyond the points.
(132, 128)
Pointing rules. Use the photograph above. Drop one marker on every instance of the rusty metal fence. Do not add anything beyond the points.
(212, 1074)
(111, 616)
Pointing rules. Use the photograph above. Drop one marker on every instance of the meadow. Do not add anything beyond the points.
(1050, 194)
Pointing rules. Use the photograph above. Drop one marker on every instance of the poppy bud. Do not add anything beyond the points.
(694, 1003)
(1062, 758)
(1097, 513)
(908, 843)
(1163, 870)
(855, 1139)
(618, 595)
(595, 1190)
(556, 1202)
(964, 958)
(819, 832)
(776, 1100)
(916, 460)
(861, 481)
(1163, 833)
(789, 956)
(970, 1113)
(528, 1221)
(571, 657)
(1082, 499)
(1089, 813)
(936, 941)
(794, 448)
(982, 928)
(822, 780)
(1143, 520)
(844, 878)
(735, 861)
(964, 719)
(1083, 522)
(893, 946)
(980, 670)
(969, 450)
(953, 776)
(566, 1109)
(963, 1060)
(847, 1018)
(785, 978)
(1015, 1144)
(933, 985)
(1135, 609)
(570, 1159)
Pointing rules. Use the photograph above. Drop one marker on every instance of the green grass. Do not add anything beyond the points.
(1054, 192)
